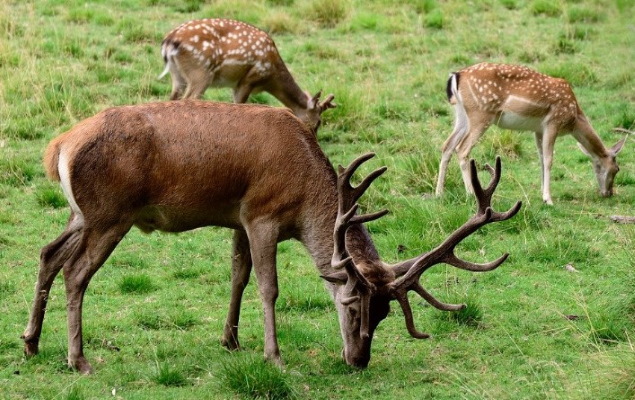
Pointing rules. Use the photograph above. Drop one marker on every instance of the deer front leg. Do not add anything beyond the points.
(548, 141)
(263, 243)
(241, 269)
(52, 259)
(539, 141)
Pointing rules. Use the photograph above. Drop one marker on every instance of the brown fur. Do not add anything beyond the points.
(181, 165)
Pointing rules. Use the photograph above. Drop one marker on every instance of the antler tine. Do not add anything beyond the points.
(444, 253)
(427, 296)
(328, 103)
(349, 194)
(476, 267)
(402, 298)
(484, 196)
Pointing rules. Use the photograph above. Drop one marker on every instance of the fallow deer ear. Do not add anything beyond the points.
(618, 146)
(338, 278)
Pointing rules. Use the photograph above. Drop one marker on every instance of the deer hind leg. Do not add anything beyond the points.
(461, 126)
(474, 133)
(178, 81)
(52, 258)
(195, 76)
(263, 244)
(242, 92)
(241, 269)
(93, 250)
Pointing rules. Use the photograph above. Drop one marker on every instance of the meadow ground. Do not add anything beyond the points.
(154, 312)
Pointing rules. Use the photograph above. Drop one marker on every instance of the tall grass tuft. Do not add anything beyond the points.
(545, 7)
(16, 172)
(168, 376)
(75, 394)
(434, 19)
(136, 284)
(252, 377)
(584, 14)
(471, 315)
(279, 22)
(327, 13)
(50, 196)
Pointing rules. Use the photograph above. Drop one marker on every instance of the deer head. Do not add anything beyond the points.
(362, 302)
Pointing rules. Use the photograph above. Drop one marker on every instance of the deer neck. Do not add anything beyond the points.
(589, 139)
(285, 89)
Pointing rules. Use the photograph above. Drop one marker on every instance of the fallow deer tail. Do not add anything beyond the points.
(452, 87)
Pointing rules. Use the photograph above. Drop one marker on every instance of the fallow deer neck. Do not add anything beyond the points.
(285, 89)
(591, 143)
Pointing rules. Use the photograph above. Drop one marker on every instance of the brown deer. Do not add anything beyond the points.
(518, 98)
(258, 170)
(227, 53)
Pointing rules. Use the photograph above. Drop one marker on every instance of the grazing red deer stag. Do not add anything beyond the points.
(518, 98)
(258, 170)
(227, 53)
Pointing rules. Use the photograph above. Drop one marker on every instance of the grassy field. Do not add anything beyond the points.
(154, 313)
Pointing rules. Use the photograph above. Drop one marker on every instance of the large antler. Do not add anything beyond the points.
(347, 197)
(444, 253)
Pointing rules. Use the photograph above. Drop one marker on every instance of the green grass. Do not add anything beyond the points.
(253, 378)
(154, 314)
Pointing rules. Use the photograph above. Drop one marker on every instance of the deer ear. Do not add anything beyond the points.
(338, 278)
(618, 146)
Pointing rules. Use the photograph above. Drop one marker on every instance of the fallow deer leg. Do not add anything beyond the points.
(94, 249)
(178, 82)
(461, 125)
(242, 92)
(548, 142)
(52, 258)
(465, 147)
(241, 269)
(538, 136)
(197, 82)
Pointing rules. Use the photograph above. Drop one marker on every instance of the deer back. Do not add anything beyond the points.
(179, 165)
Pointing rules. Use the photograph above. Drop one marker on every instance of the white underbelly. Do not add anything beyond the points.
(517, 122)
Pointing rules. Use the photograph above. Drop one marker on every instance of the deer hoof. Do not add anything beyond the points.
(82, 366)
(230, 344)
(31, 347)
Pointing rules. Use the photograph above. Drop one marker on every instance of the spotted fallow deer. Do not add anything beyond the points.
(255, 169)
(518, 98)
(228, 53)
